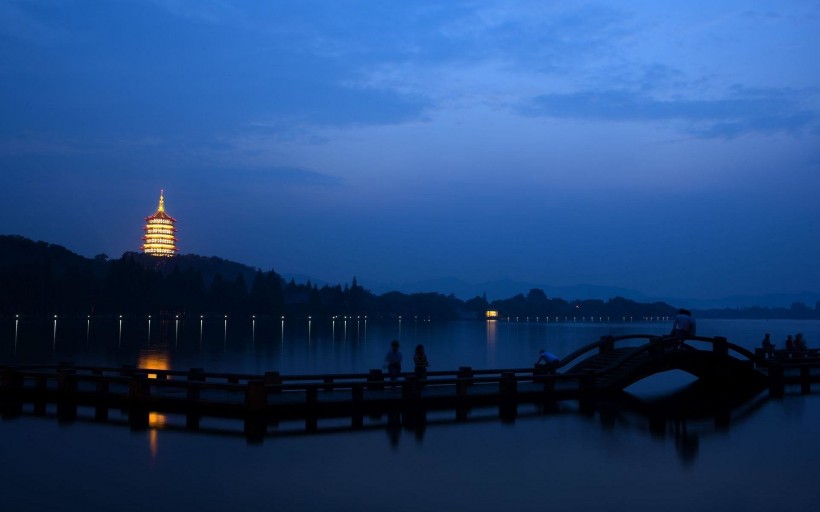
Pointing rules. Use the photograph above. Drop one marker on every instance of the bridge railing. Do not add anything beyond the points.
(720, 345)
(656, 345)
(605, 344)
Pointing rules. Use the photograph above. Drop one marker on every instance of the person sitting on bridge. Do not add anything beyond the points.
(549, 360)
(392, 361)
(684, 326)
(421, 363)
(767, 342)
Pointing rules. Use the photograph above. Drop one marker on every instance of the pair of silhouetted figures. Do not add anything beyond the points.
(392, 361)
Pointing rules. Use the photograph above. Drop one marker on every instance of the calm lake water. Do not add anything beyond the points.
(638, 453)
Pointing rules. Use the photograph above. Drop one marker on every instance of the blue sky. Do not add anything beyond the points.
(669, 147)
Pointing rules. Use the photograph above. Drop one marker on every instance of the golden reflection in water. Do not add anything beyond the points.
(154, 358)
(491, 326)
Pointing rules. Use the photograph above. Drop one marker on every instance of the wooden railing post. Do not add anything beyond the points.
(256, 396)
(721, 346)
(357, 416)
(256, 401)
(274, 379)
(41, 394)
(607, 345)
(11, 385)
(66, 394)
(466, 372)
(101, 409)
(139, 392)
(508, 388)
(375, 380)
(195, 376)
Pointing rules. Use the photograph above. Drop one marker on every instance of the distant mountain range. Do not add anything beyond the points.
(504, 288)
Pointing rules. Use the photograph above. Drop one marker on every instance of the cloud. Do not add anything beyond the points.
(740, 111)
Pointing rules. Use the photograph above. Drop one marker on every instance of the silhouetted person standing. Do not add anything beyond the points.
(421, 363)
(789, 342)
(393, 360)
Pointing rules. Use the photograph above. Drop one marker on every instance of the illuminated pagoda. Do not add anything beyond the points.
(159, 239)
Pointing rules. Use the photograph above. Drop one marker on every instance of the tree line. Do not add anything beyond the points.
(37, 278)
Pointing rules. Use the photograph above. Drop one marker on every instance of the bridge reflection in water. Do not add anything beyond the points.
(682, 418)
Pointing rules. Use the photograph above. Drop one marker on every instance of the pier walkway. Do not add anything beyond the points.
(606, 366)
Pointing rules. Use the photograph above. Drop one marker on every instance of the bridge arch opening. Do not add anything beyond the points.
(663, 383)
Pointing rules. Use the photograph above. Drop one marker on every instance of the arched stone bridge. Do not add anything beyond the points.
(608, 366)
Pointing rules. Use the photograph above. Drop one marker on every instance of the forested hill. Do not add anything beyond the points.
(38, 278)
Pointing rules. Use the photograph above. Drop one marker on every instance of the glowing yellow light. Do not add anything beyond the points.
(159, 239)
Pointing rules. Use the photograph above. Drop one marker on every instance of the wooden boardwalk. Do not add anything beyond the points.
(261, 400)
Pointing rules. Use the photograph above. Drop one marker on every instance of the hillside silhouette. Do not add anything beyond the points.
(38, 278)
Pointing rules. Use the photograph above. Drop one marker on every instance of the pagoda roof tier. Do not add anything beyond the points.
(160, 215)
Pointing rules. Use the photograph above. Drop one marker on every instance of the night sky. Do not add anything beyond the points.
(669, 147)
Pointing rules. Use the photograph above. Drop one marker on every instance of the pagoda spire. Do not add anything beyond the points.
(161, 207)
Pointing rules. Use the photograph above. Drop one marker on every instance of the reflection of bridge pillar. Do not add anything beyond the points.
(722, 420)
(805, 380)
(586, 385)
(101, 399)
(192, 421)
(657, 426)
(608, 414)
(776, 383)
(508, 407)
